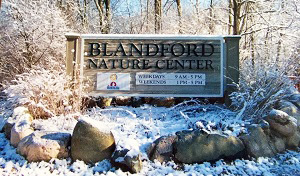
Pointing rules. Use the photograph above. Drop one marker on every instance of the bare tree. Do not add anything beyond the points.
(211, 17)
(239, 10)
(158, 13)
(104, 15)
(179, 10)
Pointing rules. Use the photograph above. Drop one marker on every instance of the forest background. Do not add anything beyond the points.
(32, 41)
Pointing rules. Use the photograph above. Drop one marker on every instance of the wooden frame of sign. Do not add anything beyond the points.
(154, 65)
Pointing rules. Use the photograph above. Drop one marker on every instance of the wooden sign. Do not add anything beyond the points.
(151, 65)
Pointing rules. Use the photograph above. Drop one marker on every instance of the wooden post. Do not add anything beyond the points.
(232, 72)
(72, 53)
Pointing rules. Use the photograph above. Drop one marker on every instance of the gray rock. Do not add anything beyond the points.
(21, 113)
(91, 144)
(127, 161)
(282, 123)
(259, 143)
(162, 149)
(289, 108)
(295, 99)
(196, 147)
(293, 142)
(7, 129)
(20, 130)
(45, 145)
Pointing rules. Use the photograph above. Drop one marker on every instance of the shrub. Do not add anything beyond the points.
(31, 34)
(46, 93)
(260, 88)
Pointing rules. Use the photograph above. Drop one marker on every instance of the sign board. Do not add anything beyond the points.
(151, 65)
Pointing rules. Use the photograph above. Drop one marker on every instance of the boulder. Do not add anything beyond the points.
(91, 141)
(295, 99)
(21, 113)
(44, 145)
(259, 143)
(293, 142)
(7, 128)
(162, 149)
(290, 109)
(128, 160)
(282, 123)
(20, 130)
(196, 147)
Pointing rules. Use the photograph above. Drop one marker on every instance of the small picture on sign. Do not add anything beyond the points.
(113, 81)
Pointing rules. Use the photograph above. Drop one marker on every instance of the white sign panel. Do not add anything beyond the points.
(172, 79)
(113, 81)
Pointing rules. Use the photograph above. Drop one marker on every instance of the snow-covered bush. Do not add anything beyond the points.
(31, 34)
(260, 88)
(46, 93)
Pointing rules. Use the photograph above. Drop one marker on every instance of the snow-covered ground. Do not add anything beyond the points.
(136, 129)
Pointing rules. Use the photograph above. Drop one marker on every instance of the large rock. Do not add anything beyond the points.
(7, 129)
(20, 113)
(195, 147)
(293, 142)
(295, 99)
(128, 160)
(289, 108)
(20, 130)
(91, 141)
(162, 149)
(282, 123)
(259, 142)
(45, 145)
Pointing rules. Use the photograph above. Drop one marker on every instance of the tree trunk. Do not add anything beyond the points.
(197, 5)
(99, 6)
(211, 16)
(236, 17)
(108, 16)
(147, 13)
(179, 10)
(105, 18)
(229, 16)
(157, 9)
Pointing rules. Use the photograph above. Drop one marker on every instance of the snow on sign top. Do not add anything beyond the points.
(152, 65)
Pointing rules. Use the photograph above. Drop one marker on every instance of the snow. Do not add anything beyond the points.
(102, 126)
(283, 114)
(22, 125)
(135, 129)
(19, 113)
(279, 113)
